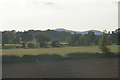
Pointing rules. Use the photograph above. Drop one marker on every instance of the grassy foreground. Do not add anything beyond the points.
(58, 51)
(55, 54)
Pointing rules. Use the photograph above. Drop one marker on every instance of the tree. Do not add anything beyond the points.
(8, 37)
(84, 40)
(118, 36)
(43, 44)
(75, 40)
(42, 38)
(89, 39)
(25, 37)
(103, 44)
(115, 37)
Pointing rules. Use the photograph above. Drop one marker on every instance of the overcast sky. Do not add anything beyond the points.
(79, 15)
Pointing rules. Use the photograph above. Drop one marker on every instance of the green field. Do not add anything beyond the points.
(59, 51)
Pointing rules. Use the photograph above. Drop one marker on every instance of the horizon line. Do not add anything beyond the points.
(54, 29)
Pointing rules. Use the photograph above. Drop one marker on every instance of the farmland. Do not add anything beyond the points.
(51, 65)
(82, 68)
(59, 51)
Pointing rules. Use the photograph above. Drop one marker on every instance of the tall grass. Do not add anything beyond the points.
(58, 51)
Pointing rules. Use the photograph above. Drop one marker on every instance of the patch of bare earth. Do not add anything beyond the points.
(82, 68)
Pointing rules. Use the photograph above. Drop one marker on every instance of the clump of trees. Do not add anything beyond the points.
(37, 37)
(8, 37)
(40, 39)
(84, 40)
(25, 38)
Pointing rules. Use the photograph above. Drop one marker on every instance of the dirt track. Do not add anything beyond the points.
(82, 68)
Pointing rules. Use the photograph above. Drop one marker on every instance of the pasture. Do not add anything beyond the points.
(34, 63)
(59, 51)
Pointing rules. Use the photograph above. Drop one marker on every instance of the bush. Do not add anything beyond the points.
(23, 45)
(55, 44)
(43, 45)
(30, 45)
(8, 47)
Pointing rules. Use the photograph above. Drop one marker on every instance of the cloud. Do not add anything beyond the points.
(39, 2)
(49, 3)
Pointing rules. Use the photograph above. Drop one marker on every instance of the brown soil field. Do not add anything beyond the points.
(82, 68)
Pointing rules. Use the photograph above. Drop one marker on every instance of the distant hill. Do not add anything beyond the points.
(97, 32)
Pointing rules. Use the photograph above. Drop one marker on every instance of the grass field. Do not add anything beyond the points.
(59, 51)
(79, 62)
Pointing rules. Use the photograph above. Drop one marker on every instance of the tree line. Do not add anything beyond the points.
(38, 38)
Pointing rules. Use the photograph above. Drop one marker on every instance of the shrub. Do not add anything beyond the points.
(23, 45)
(55, 44)
(43, 44)
(8, 47)
(30, 45)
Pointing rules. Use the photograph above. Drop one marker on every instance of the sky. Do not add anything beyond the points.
(78, 15)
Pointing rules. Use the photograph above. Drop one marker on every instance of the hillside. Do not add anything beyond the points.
(97, 32)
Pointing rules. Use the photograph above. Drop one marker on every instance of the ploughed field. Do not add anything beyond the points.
(81, 68)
